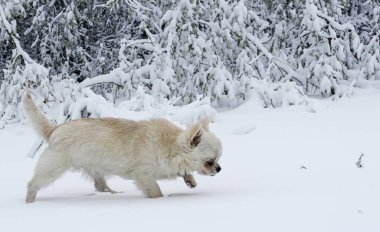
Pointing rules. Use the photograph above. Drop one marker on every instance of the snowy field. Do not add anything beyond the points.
(287, 169)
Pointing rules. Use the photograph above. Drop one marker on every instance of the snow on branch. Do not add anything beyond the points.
(115, 77)
(334, 24)
(299, 78)
(159, 52)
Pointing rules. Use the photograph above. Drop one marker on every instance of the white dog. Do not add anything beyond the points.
(144, 151)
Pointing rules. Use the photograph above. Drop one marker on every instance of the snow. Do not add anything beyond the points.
(341, 27)
(170, 48)
(4, 21)
(286, 169)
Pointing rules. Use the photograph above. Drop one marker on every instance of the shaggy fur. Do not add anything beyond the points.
(145, 151)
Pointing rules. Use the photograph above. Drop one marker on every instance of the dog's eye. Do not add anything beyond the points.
(210, 162)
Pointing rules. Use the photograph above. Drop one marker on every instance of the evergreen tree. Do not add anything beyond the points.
(151, 52)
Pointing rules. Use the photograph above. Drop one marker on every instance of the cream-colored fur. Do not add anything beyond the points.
(40, 122)
(145, 151)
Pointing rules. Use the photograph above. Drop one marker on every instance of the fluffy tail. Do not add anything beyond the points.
(37, 118)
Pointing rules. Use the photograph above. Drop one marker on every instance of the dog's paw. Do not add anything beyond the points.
(191, 184)
(189, 180)
(157, 195)
(30, 200)
(111, 191)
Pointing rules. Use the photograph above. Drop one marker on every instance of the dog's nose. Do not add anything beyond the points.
(218, 169)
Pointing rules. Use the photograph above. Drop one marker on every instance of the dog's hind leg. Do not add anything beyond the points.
(101, 184)
(50, 167)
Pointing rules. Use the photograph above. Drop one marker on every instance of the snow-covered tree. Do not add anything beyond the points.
(20, 68)
(153, 52)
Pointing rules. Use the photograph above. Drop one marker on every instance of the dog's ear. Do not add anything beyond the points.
(196, 139)
(204, 122)
(194, 135)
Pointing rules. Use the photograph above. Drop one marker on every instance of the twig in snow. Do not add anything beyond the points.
(34, 149)
(359, 164)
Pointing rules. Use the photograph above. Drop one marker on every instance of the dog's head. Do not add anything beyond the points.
(203, 147)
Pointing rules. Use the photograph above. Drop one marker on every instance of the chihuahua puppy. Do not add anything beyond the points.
(144, 151)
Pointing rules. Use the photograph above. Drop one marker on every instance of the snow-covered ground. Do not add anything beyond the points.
(287, 169)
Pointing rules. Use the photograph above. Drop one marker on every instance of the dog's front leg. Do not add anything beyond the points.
(149, 186)
(189, 180)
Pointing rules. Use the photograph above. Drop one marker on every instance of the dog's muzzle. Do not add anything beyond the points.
(216, 170)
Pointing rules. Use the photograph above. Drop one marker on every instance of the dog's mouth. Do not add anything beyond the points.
(205, 173)
(213, 173)
(209, 172)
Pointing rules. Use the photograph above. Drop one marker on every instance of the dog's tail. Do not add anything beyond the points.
(37, 118)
